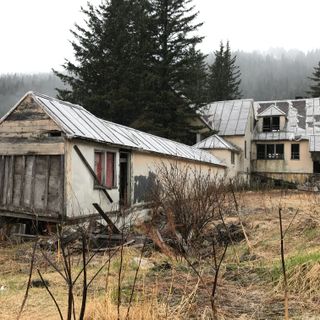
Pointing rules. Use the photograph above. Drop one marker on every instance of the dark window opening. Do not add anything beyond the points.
(271, 124)
(270, 151)
(245, 149)
(232, 157)
(295, 151)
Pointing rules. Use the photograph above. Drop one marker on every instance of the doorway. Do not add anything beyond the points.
(316, 166)
(124, 183)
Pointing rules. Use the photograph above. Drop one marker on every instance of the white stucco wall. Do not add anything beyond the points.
(303, 165)
(144, 166)
(79, 185)
(225, 155)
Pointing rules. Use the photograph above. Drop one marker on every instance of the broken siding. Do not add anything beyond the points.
(31, 162)
(28, 129)
(32, 184)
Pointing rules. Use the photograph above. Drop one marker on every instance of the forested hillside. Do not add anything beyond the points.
(14, 86)
(277, 74)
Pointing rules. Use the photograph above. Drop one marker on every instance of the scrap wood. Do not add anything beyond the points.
(107, 219)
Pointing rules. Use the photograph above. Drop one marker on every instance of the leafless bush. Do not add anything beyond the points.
(190, 199)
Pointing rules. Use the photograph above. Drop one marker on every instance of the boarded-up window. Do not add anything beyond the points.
(105, 168)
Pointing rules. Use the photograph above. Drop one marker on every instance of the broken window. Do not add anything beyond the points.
(270, 151)
(104, 166)
(271, 124)
(295, 151)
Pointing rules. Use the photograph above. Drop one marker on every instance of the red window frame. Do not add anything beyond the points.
(104, 168)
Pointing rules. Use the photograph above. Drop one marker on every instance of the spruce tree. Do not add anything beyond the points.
(315, 88)
(177, 65)
(112, 60)
(137, 64)
(224, 76)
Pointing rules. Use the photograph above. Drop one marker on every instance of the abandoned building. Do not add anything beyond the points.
(233, 121)
(279, 140)
(57, 159)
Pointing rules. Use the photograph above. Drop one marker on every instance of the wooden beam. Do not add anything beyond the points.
(33, 180)
(107, 219)
(93, 174)
(46, 191)
(23, 175)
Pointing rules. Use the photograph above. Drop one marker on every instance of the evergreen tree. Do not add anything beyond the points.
(315, 88)
(224, 76)
(137, 65)
(177, 66)
(113, 56)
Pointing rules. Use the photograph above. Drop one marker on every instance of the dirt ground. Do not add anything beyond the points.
(250, 284)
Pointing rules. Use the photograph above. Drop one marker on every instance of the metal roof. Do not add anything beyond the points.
(216, 142)
(77, 122)
(303, 118)
(314, 143)
(228, 118)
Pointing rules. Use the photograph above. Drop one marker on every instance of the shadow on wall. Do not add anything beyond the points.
(142, 187)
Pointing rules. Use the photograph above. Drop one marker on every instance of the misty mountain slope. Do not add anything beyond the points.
(277, 74)
(14, 86)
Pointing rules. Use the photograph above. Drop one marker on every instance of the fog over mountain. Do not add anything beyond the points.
(275, 74)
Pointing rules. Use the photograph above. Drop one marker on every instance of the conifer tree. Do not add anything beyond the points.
(177, 64)
(315, 88)
(136, 64)
(112, 60)
(224, 76)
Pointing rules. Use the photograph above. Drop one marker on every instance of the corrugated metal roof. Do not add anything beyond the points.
(303, 115)
(314, 143)
(77, 122)
(216, 142)
(228, 118)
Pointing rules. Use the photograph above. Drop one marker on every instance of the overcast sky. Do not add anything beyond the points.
(35, 34)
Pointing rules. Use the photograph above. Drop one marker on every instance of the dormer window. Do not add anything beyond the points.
(271, 124)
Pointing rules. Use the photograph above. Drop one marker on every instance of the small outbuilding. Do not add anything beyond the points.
(57, 159)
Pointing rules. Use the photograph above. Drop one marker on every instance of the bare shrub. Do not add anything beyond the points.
(190, 199)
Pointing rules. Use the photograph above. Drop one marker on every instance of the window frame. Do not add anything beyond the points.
(233, 156)
(272, 126)
(271, 151)
(105, 169)
(295, 155)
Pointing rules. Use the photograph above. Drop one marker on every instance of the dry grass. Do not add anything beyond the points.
(249, 287)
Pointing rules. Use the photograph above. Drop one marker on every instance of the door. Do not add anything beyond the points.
(124, 179)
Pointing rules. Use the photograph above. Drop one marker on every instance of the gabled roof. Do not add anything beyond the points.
(216, 142)
(271, 111)
(228, 118)
(76, 122)
(303, 116)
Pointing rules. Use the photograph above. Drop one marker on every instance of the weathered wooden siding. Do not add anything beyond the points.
(31, 163)
(29, 130)
(32, 184)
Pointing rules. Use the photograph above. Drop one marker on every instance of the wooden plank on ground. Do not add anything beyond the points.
(106, 218)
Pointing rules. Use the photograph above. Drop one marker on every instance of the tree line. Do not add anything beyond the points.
(137, 63)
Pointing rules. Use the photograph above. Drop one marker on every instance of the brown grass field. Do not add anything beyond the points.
(250, 286)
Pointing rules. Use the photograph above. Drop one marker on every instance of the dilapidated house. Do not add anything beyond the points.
(234, 122)
(286, 141)
(57, 159)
